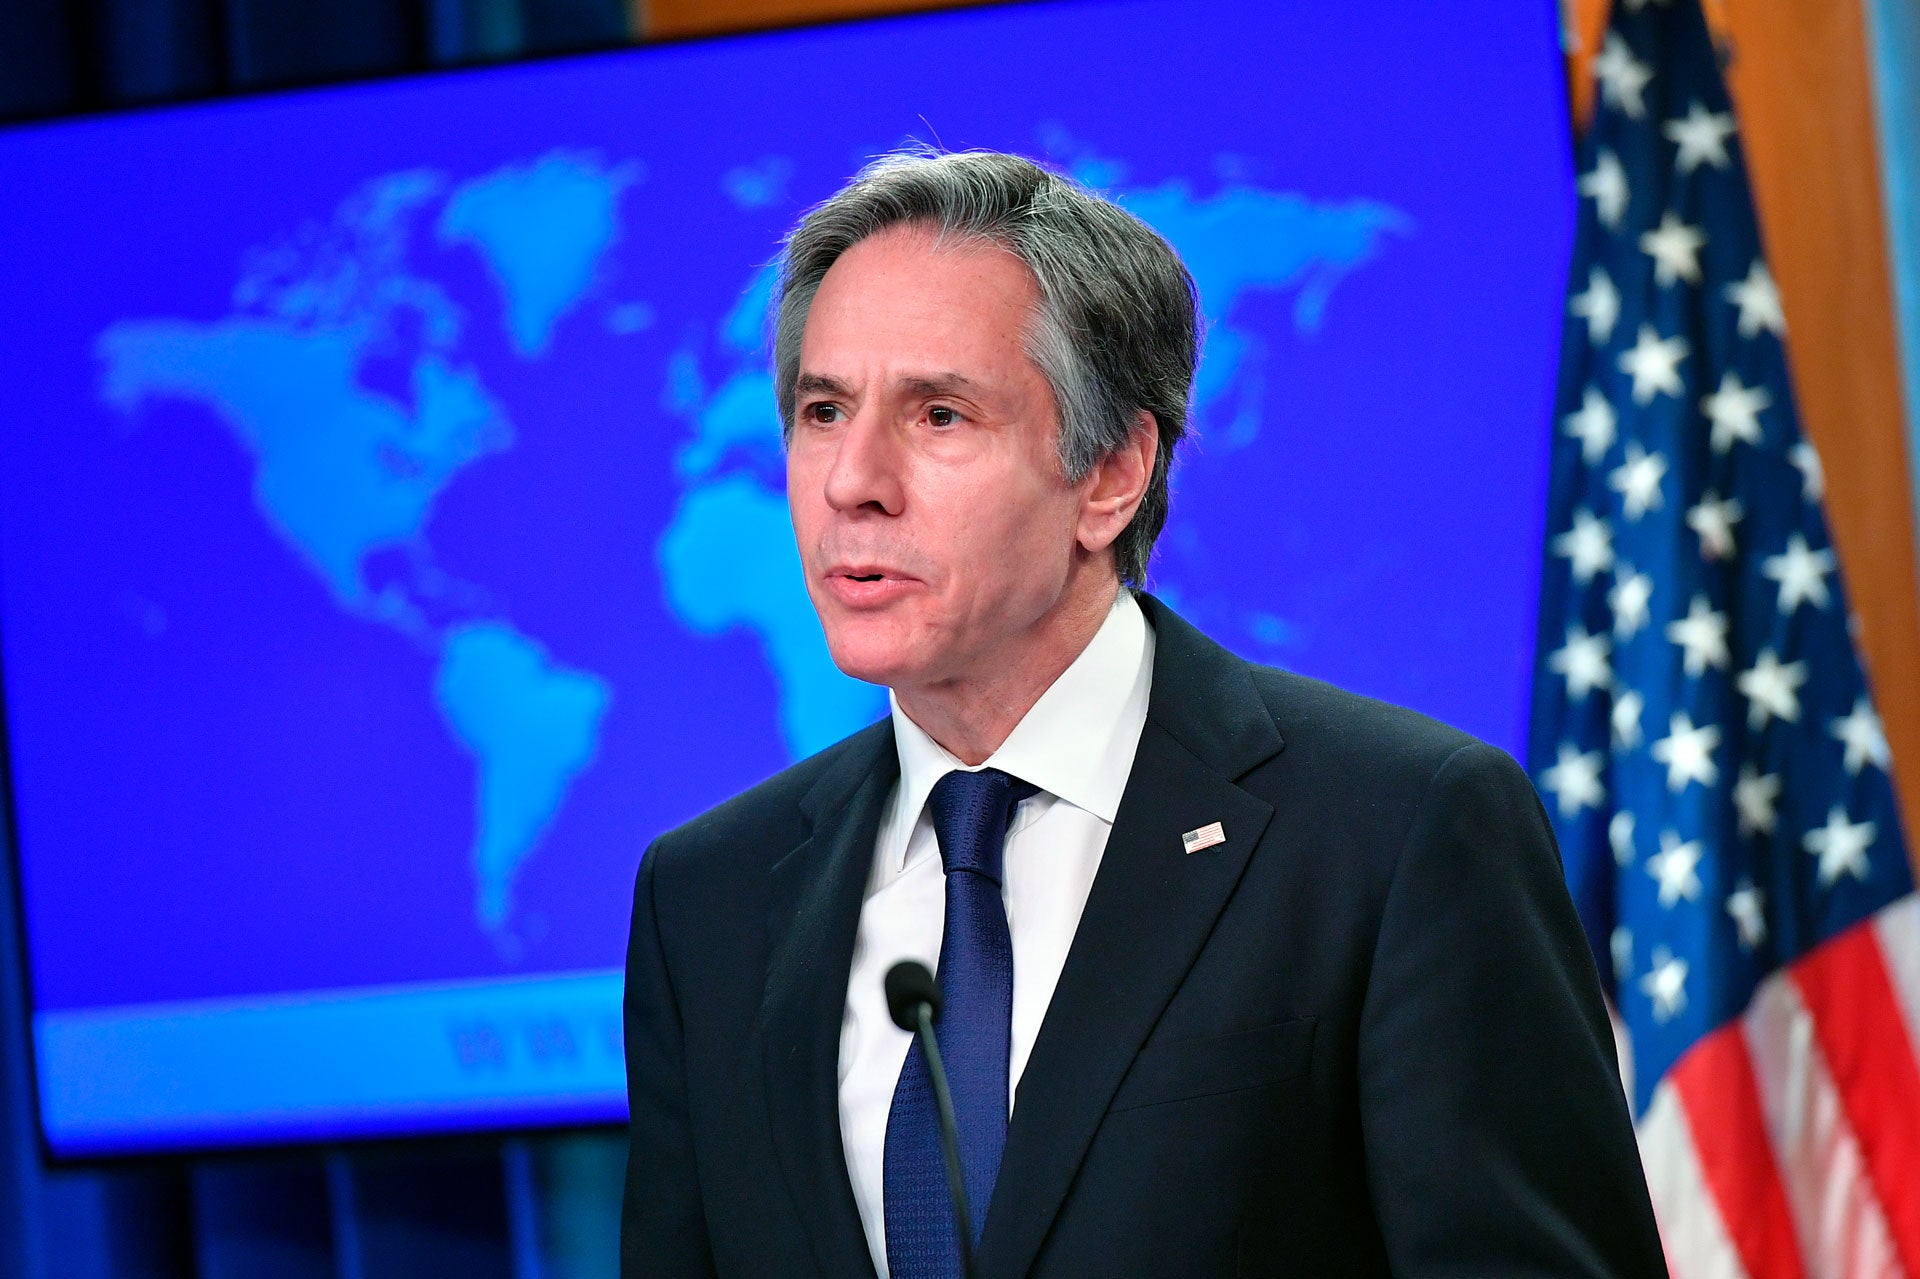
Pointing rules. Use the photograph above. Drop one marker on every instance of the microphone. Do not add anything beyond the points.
(913, 1000)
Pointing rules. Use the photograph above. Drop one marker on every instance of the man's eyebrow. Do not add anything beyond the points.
(937, 383)
(820, 384)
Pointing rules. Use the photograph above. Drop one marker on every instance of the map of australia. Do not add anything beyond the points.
(349, 458)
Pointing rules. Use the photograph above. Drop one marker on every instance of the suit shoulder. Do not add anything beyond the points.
(1363, 735)
(766, 818)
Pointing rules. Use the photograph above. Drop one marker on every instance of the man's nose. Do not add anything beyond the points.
(866, 467)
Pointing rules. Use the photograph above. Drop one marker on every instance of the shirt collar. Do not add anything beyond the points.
(1077, 742)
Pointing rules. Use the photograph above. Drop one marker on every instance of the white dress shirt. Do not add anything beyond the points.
(1077, 745)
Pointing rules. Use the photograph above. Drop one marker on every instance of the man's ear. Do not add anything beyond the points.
(1116, 485)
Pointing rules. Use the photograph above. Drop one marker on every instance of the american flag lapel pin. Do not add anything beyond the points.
(1204, 837)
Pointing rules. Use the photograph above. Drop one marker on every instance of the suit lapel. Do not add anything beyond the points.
(814, 900)
(1150, 911)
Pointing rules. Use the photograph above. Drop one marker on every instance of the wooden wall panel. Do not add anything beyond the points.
(658, 18)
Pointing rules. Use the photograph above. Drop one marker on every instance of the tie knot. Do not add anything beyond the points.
(970, 816)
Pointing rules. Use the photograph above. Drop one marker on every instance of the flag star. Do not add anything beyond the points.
(1735, 411)
(1754, 795)
(1583, 662)
(1620, 837)
(1759, 302)
(1627, 709)
(1841, 846)
(1813, 479)
(1676, 867)
(1599, 306)
(1702, 633)
(1748, 906)
(1575, 780)
(1860, 732)
(1628, 598)
(1772, 690)
(1701, 137)
(1654, 364)
(1675, 249)
(1688, 752)
(1621, 944)
(1606, 182)
(1623, 78)
(1637, 481)
(1588, 546)
(1713, 519)
(1665, 983)
(1801, 572)
(1594, 424)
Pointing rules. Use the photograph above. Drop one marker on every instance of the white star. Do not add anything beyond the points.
(1859, 730)
(1688, 752)
(1703, 634)
(1620, 837)
(1748, 906)
(1594, 424)
(1625, 715)
(1802, 574)
(1675, 866)
(1735, 411)
(1654, 364)
(1607, 184)
(1622, 77)
(1759, 302)
(1583, 661)
(1575, 780)
(1628, 598)
(1754, 796)
(1813, 479)
(1841, 847)
(1588, 546)
(1702, 138)
(1637, 481)
(1621, 944)
(1599, 306)
(1675, 249)
(1772, 690)
(1713, 519)
(1665, 983)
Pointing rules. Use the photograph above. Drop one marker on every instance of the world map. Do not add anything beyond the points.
(347, 374)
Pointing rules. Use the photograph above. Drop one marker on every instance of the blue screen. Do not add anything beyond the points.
(392, 529)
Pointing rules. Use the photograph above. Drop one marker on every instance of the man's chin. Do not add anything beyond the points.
(876, 654)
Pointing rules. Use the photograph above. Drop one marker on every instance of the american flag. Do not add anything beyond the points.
(1702, 729)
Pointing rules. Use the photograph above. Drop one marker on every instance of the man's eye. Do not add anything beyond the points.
(941, 415)
(823, 413)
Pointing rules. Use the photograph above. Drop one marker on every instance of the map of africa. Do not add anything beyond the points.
(351, 376)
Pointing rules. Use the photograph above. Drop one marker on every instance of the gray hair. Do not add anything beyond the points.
(1117, 328)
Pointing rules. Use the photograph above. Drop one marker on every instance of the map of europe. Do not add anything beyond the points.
(347, 375)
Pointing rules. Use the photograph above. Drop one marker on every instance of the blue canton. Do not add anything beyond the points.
(1702, 730)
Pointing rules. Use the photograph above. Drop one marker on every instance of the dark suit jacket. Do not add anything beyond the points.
(1363, 1036)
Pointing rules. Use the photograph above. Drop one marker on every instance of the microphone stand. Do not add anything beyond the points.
(949, 1134)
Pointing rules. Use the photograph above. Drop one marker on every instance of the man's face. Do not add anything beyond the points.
(935, 524)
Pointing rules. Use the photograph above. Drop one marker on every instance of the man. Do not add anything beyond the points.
(1243, 975)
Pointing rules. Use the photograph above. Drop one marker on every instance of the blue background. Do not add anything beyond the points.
(227, 785)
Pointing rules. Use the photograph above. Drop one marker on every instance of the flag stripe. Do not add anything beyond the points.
(1858, 1022)
(1691, 1230)
(1899, 929)
(1836, 1213)
(1717, 1088)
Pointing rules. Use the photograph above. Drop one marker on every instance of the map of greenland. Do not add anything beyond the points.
(343, 471)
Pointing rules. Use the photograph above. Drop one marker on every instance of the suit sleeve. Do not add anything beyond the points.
(663, 1230)
(1497, 1135)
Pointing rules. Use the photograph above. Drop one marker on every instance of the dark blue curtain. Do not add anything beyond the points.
(538, 1208)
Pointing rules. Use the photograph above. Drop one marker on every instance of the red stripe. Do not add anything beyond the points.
(1716, 1086)
(1856, 1018)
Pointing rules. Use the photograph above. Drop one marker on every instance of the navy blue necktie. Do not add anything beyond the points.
(975, 1032)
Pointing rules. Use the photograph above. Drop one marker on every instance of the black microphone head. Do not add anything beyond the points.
(909, 985)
